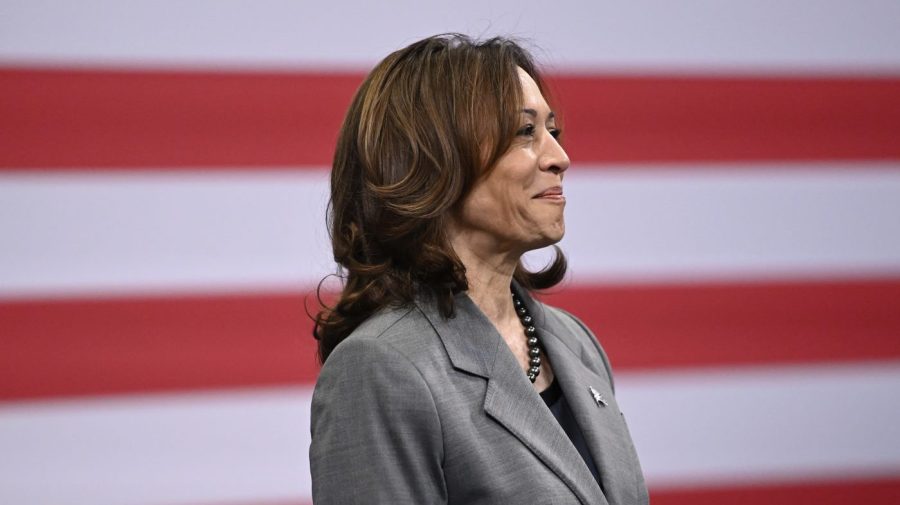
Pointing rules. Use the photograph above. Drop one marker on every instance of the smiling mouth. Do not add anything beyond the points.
(554, 193)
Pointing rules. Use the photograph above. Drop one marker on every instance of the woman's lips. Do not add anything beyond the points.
(554, 193)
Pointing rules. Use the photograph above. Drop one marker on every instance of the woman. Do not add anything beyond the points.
(443, 380)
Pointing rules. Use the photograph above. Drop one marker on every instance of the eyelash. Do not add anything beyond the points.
(529, 129)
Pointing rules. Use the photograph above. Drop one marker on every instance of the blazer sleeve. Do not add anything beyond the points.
(376, 435)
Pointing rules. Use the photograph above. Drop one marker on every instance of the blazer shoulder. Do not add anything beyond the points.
(403, 328)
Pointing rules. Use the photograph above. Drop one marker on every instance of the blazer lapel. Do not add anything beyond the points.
(601, 422)
(512, 401)
(475, 346)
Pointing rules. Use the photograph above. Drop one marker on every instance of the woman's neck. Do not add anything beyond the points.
(489, 277)
(489, 272)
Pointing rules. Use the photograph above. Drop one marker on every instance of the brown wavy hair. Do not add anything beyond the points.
(425, 126)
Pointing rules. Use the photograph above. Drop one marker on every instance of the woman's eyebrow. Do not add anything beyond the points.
(533, 113)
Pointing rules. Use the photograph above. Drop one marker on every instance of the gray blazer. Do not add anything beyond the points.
(413, 408)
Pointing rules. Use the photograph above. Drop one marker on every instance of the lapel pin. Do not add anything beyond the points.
(598, 397)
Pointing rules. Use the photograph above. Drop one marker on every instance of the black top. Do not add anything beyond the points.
(553, 397)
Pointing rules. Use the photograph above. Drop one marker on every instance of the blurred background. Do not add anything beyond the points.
(733, 233)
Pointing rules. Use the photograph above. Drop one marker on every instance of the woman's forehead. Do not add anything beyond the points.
(534, 102)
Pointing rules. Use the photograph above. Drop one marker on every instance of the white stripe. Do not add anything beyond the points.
(157, 449)
(691, 429)
(728, 221)
(68, 234)
(765, 424)
(713, 35)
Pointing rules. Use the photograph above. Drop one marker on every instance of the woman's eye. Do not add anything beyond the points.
(555, 132)
(527, 130)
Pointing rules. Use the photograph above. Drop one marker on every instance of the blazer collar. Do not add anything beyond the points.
(474, 346)
(469, 337)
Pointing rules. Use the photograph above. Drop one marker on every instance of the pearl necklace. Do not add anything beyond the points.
(534, 349)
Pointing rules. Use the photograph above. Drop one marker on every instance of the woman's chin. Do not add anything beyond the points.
(556, 233)
(547, 239)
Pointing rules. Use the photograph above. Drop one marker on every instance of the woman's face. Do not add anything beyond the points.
(519, 205)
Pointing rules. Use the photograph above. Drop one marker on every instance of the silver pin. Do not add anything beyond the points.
(598, 397)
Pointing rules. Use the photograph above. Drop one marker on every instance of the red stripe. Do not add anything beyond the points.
(99, 118)
(626, 119)
(60, 119)
(69, 347)
(870, 492)
(675, 326)
(82, 347)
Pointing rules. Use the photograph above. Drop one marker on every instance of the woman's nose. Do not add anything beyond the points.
(555, 158)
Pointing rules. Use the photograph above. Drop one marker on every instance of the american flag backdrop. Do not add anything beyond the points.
(733, 234)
